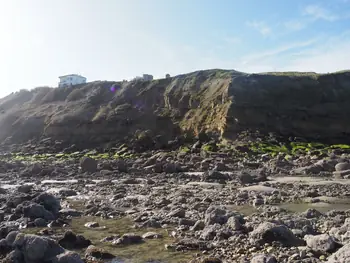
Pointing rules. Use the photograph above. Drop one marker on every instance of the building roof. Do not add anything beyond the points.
(71, 75)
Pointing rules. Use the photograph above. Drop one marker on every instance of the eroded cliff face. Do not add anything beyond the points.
(305, 105)
(92, 114)
(216, 101)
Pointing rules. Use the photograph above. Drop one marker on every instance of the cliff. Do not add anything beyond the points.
(221, 102)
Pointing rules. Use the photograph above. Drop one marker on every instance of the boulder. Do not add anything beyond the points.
(268, 232)
(263, 258)
(68, 257)
(341, 256)
(343, 166)
(215, 214)
(34, 211)
(36, 248)
(320, 243)
(73, 241)
(93, 252)
(128, 239)
(49, 201)
(88, 164)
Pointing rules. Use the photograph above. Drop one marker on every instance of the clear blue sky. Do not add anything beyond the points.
(119, 39)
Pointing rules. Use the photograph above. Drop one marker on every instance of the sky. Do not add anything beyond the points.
(119, 39)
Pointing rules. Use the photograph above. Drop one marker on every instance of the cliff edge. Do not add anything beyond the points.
(220, 102)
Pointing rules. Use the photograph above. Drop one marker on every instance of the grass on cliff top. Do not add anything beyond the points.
(301, 74)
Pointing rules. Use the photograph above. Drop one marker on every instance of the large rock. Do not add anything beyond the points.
(68, 257)
(320, 243)
(342, 166)
(93, 252)
(268, 232)
(262, 258)
(88, 164)
(73, 241)
(50, 202)
(34, 211)
(215, 214)
(37, 249)
(341, 256)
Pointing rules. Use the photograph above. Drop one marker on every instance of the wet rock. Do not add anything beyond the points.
(341, 174)
(186, 222)
(263, 259)
(68, 257)
(213, 176)
(341, 256)
(215, 214)
(311, 169)
(151, 235)
(70, 212)
(11, 237)
(37, 249)
(342, 166)
(73, 241)
(312, 213)
(170, 168)
(199, 225)
(14, 256)
(245, 178)
(63, 191)
(34, 211)
(88, 164)
(234, 223)
(220, 167)
(320, 243)
(92, 224)
(110, 238)
(178, 212)
(35, 169)
(268, 232)
(25, 188)
(191, 244)
(211, 260)
(93, 252)
(122, 166)
(40, 222)
(50, 202)
(128, 239)
(215, 231)
(258, 201)
(4, 247)
(151, 223)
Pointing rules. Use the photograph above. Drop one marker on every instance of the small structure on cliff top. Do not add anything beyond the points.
(71, 80)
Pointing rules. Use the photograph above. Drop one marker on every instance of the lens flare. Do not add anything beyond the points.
(114, 88)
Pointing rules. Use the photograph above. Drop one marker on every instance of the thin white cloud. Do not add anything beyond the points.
(328, 55)
(232, 40)
(260, 26)
(276, 51)
(317, 12)
(294, 25)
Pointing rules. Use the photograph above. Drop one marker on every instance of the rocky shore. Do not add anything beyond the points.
(199, 203)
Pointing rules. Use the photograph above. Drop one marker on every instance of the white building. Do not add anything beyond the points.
(147, 77)
(71, 80)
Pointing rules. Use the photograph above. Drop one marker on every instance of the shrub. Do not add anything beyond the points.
(75, 95)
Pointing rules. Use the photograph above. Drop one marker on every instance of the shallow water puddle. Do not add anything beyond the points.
(258, 188)
(72, 181)
(152, 250)
(307, 180)
(323, 207)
